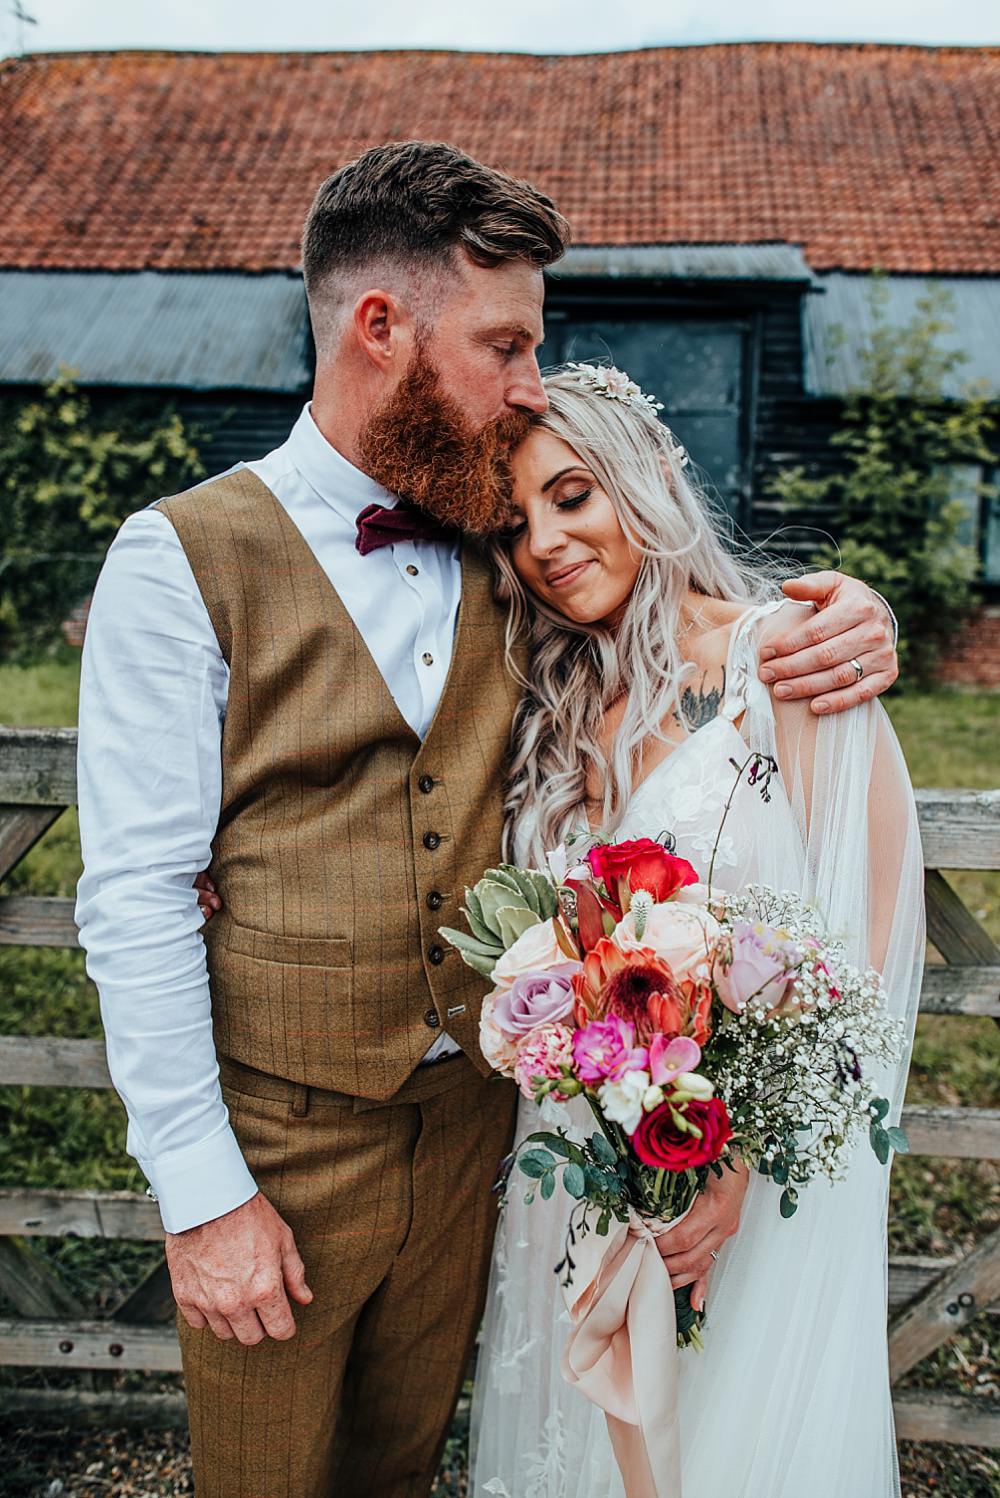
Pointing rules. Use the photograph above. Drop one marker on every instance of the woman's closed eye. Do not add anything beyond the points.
(574, 501)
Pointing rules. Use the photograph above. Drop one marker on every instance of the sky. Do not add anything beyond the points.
(483, 25)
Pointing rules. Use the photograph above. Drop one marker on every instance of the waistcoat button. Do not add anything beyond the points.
(435, 900)
(436, 955)
(432, 840)
(431, 1019)
(426, 784)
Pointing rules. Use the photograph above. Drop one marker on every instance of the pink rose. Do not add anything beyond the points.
(756, 963)
(542, 1054)
(604, 1050)
(535, 999)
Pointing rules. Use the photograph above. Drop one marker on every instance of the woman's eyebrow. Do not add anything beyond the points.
(557, 476)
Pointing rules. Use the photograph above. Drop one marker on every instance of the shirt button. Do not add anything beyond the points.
(426, 784)
(431, 1019)
(436, 955)
(412, 570)
(432, 840)
(435, 900)
(427, 658)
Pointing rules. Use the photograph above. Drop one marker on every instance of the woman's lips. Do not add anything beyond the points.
(566, 575)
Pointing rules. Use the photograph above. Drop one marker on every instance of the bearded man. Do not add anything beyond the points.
(294, 674)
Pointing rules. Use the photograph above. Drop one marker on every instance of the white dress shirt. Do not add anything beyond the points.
(153, 698)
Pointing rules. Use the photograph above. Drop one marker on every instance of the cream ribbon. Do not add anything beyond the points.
(622, 1349)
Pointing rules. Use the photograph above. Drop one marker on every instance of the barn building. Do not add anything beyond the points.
(729, 205)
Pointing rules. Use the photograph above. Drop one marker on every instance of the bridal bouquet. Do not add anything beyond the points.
(698, 1025)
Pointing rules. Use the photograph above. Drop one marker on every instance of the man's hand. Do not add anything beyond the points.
(813, 659)
(687, 1249)
(235, 1274)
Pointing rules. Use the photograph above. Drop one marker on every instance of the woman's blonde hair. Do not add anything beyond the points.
(576, 672)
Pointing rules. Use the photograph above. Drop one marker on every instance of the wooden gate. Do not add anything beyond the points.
(930, 1300)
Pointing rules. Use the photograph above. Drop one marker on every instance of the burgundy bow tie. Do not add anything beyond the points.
(380, 526)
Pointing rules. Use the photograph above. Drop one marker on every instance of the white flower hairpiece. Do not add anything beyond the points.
(615, 385)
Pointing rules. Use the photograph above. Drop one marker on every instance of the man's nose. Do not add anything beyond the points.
(528, 392)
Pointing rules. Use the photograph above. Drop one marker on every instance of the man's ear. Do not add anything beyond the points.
(383, 329)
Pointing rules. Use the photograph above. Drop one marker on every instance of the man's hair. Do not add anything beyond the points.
(415, 202)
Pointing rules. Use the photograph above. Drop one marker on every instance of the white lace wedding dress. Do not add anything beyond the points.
(790, 1398)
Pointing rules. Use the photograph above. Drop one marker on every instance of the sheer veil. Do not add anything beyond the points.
(791, 1395)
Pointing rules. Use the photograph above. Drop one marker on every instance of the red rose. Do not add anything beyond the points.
(658, 1141)
(642, 864)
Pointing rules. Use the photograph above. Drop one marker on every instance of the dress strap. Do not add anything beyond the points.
(740, 659)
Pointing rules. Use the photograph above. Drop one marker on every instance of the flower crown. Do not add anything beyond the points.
(615, 385)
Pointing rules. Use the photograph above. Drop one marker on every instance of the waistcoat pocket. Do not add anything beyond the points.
(291, 951)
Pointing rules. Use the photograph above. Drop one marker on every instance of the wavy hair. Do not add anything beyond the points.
(576, 672)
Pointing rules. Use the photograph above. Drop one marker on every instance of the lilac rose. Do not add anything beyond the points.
(535, 999)
(759, 964)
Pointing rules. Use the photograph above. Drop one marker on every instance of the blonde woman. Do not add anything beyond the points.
(644, 632)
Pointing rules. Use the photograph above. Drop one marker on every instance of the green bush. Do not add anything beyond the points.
(889, 501)
(69, 474)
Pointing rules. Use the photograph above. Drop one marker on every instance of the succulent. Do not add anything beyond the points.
(501, 907)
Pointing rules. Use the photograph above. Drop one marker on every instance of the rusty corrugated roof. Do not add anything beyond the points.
(866, 156)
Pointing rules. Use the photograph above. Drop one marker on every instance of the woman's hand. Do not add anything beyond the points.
(208, 901)
(687, 1249)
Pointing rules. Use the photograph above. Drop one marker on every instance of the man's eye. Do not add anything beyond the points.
(507, 349)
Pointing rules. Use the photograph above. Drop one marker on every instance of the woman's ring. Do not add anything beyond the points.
(859, 668)
(714, 1255)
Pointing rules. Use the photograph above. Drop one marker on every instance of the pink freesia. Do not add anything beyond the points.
(668, 1058)
(543, 1053)
(604, 1050)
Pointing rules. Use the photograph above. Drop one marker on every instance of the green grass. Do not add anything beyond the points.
(68, 1137)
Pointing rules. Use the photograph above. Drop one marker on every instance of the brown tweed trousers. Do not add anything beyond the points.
(343, 844)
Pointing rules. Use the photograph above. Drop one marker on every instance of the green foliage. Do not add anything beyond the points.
(889, 503)
(69, 475)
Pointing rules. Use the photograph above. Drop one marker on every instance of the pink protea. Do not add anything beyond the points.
(542, 1054)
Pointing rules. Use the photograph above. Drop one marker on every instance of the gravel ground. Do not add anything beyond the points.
(65, 1463)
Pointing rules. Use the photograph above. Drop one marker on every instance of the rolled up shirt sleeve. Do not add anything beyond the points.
(152, 703)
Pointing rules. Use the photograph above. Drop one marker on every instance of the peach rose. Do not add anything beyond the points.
(535, 950)
(680, 935)
(499, 1050)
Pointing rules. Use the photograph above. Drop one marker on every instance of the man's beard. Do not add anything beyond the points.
(419, 446)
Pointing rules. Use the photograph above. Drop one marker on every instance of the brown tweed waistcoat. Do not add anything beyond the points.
(343, 842)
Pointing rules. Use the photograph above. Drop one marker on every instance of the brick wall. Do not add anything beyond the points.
(974, 659)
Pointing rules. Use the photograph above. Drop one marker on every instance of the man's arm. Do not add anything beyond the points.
(152, 700)
(815, 658)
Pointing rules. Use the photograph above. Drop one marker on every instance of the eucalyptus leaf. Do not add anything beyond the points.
(899, 1141)
(554, 1142)
(779, 1171)
(547, 1185)
(881, 1146)
(574, 1180)
(880, 1107)
(788, 1205)
(536, 1162)
(603, 1150)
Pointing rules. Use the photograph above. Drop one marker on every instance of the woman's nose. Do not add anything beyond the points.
(545, 536)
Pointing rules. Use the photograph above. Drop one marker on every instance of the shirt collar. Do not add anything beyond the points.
(343, 487)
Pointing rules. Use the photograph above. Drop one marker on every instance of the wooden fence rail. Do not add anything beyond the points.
(929, 1299)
